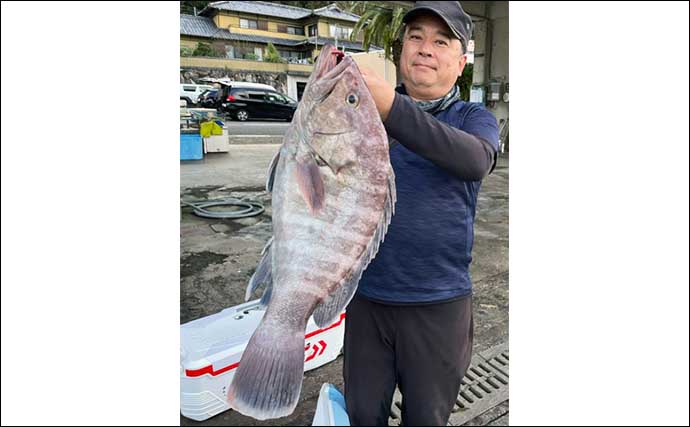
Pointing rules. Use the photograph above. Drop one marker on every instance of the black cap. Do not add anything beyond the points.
(450, 12)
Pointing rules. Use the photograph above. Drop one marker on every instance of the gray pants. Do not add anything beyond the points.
(424, 349)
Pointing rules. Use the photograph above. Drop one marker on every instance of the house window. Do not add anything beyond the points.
(248, 23)
(229, 51)
(295, 30)
(259, 53)
(312, 30)
(288, 54)
(294, 57)
(340, 32)
(244, 52)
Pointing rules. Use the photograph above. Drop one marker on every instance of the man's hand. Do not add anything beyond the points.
(381, 91)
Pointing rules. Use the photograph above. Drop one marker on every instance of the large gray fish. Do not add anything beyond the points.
(333, 195)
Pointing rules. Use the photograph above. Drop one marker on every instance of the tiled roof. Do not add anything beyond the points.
(280, 10)
(201, 26)
(261, 8)
(333, 11)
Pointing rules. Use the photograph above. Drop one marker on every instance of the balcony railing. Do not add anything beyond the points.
(243, 64)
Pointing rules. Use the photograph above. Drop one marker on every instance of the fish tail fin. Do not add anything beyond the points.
(268, 380)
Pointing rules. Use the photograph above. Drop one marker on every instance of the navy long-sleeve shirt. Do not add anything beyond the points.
(439, 162)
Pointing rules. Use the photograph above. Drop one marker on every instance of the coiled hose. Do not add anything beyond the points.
(251, 208)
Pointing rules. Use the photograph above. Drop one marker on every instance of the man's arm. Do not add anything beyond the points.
(465, 155)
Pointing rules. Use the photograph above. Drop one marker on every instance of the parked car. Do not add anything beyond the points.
(242, 101)
(190, 92)
(208, 98)
(242, 104)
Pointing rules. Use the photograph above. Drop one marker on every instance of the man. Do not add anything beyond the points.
(410, 322)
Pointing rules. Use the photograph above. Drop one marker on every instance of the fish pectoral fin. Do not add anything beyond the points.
(310, 183)
(262, 276)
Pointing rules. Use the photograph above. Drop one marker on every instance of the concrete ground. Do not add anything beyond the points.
(219, 256)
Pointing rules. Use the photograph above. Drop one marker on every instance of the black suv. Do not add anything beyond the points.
(244, 103)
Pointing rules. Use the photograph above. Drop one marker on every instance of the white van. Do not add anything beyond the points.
(190, 92)
(244, 85)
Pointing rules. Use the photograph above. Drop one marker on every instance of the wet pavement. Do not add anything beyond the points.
(218, 256)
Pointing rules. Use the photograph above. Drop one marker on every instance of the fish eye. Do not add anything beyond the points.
(352, 99)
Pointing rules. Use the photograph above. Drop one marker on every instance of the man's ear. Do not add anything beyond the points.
(461, 64)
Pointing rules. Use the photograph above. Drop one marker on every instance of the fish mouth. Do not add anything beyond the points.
(329, 60)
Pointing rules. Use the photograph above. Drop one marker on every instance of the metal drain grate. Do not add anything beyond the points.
(484, 386)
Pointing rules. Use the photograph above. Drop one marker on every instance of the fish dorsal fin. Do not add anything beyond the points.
(329, 310)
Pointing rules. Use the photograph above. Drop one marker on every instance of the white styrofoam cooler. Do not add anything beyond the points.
(217, 143)
(211, 348)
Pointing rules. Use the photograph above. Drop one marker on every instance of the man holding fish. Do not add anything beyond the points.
(410, 322)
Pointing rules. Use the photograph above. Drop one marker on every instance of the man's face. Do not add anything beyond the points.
(431, 59)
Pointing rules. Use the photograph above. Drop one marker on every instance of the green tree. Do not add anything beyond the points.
(382, 26)
(356, 7)
(188, 6)
(465, 82)
(272, 54)
(205, 49)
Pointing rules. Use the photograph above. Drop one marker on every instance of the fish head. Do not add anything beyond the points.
(340, 124)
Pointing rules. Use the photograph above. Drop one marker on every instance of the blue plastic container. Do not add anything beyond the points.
(330, 408)
(191, 147)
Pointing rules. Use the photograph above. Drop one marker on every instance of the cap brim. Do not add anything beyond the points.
(416, 11)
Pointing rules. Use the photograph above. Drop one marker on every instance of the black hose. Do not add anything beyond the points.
(250, 208)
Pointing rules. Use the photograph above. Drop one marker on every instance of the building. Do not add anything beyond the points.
(229, 39)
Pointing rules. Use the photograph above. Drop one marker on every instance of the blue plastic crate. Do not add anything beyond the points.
(191, 147)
